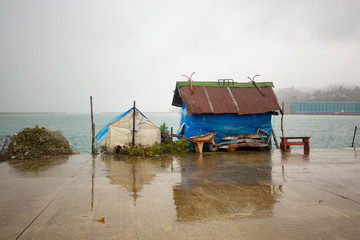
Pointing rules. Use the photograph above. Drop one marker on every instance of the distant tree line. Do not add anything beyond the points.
(338, 94)
(330, 94)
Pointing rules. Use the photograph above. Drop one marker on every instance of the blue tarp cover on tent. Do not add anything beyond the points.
(104, 130)
(223, 124)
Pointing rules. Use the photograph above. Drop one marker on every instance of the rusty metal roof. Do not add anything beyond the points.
(212, 97)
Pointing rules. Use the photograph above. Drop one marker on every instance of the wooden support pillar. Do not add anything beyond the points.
(93, 151)
(133, 130)
(274, 137)
(171, 134)
(282, 119)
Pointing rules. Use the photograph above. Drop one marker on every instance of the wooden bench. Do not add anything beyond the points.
(285, 143)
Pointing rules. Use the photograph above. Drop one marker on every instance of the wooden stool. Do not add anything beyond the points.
(285, 143)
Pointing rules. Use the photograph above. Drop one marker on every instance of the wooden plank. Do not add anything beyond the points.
(259, 140)
(241, 136)
(295, 143)
(239, 145)
(295, 137)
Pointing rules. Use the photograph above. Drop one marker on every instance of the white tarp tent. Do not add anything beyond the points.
(119, 131)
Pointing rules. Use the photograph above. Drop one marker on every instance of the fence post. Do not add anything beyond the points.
(133, 130)
(92, 128)
(282, 119)
(352, 145)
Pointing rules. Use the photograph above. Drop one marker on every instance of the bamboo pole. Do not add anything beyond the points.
(352, 145)
(92, 128)
(171, 134)
(274, 137)
(133, 130)
(282, 119)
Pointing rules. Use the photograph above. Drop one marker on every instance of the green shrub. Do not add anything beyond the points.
(133, 151)
(180, 146)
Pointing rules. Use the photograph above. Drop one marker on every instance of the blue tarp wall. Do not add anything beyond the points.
(223, 124)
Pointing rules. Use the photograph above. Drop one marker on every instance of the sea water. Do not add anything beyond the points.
(325, 131)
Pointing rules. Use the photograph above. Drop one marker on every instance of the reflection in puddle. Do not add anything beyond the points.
(225, 186)
(286, 155)
(133, 173)
(210, 186)
(37, 165)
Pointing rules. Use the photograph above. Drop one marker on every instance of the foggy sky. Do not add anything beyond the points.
(55, 54)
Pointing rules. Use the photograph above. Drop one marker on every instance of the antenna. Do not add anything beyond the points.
(252, 79)
(253, 82)
(189, 78)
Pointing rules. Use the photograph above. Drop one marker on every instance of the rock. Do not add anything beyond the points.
(38, 142)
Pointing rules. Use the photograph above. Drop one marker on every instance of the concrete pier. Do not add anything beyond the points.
(240, 195)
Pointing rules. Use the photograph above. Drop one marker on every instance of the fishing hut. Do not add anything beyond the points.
(237, 114)
(129, 129)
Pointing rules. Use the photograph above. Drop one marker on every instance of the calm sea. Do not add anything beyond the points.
(332, 131)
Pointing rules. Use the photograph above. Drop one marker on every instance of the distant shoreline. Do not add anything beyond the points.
(48, 113)
(142, 112)
(19, 113)
(330, 114)
(60, 113)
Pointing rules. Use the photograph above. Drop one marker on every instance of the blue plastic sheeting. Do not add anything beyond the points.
(223, 124)
(105, 129)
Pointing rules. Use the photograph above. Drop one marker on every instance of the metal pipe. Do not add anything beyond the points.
(352, 145)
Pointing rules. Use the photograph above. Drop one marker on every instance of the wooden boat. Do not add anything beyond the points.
(206, 137)
(199, 140)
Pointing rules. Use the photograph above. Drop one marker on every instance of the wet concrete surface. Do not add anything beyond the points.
(241, 195)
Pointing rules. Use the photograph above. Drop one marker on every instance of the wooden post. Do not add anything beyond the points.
(352, 145)
(274, 137)
(92, 128)
(282, 119)
(133, 133)
(171, 134)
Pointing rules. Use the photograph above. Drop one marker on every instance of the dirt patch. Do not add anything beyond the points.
(4, 157)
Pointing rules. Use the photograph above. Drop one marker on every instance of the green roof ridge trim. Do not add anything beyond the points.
(221, 84)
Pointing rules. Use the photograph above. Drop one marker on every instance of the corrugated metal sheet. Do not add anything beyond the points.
(241, 100)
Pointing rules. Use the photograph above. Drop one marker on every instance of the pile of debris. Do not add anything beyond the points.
(37, 143)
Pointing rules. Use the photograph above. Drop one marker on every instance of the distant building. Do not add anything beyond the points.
(325, 107)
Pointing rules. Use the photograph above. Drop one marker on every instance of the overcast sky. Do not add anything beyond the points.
(54, 54)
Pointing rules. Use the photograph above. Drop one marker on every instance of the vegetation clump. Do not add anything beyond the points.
(167, 145)
(4, 143)
(38, 142)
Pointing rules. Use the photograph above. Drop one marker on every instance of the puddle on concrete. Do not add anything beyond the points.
(246, 195)
(209, 186)
(133, 173)
(225, 186)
